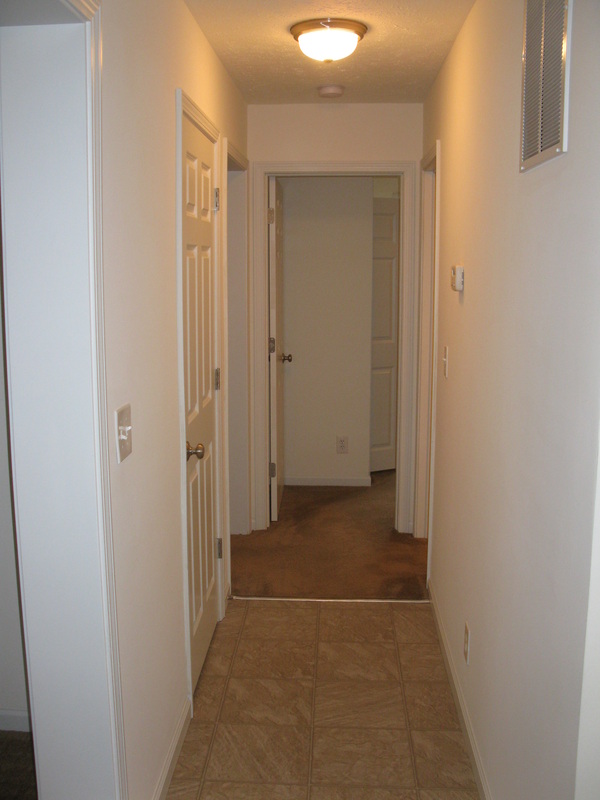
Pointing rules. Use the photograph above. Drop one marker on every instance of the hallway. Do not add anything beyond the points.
(332, 543)
(324, 701)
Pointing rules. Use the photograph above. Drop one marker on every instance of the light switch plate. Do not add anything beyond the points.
(123, 432)
(457, 278)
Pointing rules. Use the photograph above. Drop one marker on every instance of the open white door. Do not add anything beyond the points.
(276, 356)
(198, 266)
(384, 341)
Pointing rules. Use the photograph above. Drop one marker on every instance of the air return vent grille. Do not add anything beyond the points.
(545, 80)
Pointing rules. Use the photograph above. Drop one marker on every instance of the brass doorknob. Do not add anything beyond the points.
(197, 451)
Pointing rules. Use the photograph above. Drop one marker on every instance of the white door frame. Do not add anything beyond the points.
(428, 345)
(259, 328)
(234, 209)
(186, 106)
(108, 758)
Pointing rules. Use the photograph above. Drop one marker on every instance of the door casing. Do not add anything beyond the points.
(428, 344)
(259, 310)
(37, 578)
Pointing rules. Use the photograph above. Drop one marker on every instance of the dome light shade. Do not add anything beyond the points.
(328, 39)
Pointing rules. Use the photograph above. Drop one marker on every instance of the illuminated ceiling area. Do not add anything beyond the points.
(396, 62)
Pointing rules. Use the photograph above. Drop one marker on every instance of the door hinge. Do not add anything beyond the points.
(271, 344)
(270, 216)
(273, 470)
(217, 379)
(217, 199)
(219, 548)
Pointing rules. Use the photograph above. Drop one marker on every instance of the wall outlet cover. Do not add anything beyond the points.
(341, 445)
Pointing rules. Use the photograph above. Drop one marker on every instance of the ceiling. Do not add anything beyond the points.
(396, 62)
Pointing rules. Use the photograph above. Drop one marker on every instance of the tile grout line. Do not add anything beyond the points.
(402, 689)
(218, 717)
(313, 705)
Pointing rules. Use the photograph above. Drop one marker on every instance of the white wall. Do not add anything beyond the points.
(340, 132)
(239, 421)
(517, 418)
(328, 264)
(148, 52)
(14, 712)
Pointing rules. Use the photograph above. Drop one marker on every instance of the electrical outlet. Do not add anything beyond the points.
(467, 643)
(341, 445)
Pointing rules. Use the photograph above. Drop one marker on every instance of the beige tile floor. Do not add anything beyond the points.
(324, 701)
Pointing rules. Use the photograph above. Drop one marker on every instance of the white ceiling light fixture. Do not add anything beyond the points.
(328, 39)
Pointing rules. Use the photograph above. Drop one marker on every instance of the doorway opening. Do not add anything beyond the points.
(335, 543)
(334, 259)
(17, 777)
(318, 443)
(259, 326)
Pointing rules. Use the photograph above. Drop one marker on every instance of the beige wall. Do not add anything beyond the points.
(327, 254)
(340, 132)
(147, 54)
(517, 418)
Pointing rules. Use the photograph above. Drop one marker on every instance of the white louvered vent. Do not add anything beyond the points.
(545, 81)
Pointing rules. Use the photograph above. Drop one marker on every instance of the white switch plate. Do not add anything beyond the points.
(123, 432)
(457, 278)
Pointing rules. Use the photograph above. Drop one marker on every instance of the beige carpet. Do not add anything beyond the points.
(332, 543)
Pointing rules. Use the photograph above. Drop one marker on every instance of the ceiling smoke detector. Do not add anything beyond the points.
(331, 91)
(328, 39)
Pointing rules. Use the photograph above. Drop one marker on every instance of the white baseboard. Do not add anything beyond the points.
(14, 721)
(463, 711)
(168, 769)
(328, 481)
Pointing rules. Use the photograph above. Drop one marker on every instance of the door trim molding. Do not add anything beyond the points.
(84, 9)
(185, 106)
(428, 345)
(259, 321)
(88, 14)
(92, 12)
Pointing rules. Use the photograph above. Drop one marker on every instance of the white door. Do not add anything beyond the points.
(384, 337)
(276, 363)
(199, 286)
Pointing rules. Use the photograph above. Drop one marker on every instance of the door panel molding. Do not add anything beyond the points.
(384, 332)
(259, 327)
